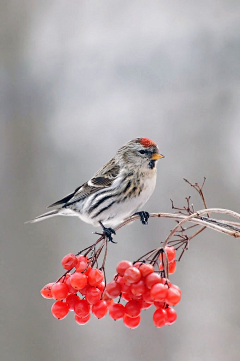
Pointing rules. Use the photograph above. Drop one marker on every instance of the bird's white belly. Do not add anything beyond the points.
(120, 211)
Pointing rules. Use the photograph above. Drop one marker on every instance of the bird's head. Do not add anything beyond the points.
(139, 152)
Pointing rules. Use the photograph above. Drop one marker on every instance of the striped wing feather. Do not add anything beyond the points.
(102, 179)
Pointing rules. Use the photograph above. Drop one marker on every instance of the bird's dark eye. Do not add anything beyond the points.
(142, 151)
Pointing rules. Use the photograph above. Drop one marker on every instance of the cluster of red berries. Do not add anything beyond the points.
(142, 287)
(80, 291)
(84, 292)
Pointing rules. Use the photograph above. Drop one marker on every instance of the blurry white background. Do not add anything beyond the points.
(78, 80)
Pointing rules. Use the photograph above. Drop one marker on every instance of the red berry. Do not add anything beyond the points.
(80, 258)
(69, 261)
(138, 288)
(126, 296)
(70, 288)
(146, 269)
(159, 304)
(172, 267)
(100, 309)
(113, 289)
(71, 300)
(171, 316)
(93, 295)
(122, 266)
(81, 266)
(124, 287)
(173, 296)
(101, 286)
(95, 277)
(59, 291)
(133, 308)
(159, 317)
(82, 320)
(176, 287)
(116, 311)
(60, 309)
(83, 290)
(171, 253)
(46, 291)
(145, 305)
(78, 280)
(132, 275)
(133, 297)
(147, 296)
(131, 322)
(82, 308)
(152, 279)
(159, 292)
(106, 298)
(88, 270)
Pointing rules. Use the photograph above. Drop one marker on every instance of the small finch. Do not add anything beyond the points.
(117, 191)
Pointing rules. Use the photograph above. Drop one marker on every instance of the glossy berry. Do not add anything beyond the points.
(81, 266)
(172, 267)
(59, 291)
(171, 253)
(82, 308)
(159, 292)
(124, 286)
(171, 316)
(147, 296)
(132, 275)
(146, 269)
(83, 290)
(82, 320)
(122, 266)
(145, 305)
(158, 304)
(69, 261)
(152, 279)
(159, 317)
(131, 322)
(80, 258)
(100, 309)
(116, 311)
(138, 288)
(133, 308)
(93, 295)
(113, 289)
(126, 296)
(70, 288)
(46, 291)
(60, 310)
(78, 280)
(173, 296)
(95, 277)
(71, 300)
(101, 286)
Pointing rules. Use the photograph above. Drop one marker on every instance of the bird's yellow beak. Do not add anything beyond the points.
(156, 156)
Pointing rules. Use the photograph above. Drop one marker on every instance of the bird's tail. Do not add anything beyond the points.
(44, 216)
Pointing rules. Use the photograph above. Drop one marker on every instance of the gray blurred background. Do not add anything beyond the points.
(78, 80)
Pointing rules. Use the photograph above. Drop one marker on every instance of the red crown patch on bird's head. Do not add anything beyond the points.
(147, 142)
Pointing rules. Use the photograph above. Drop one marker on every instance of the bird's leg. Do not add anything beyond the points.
(144, 216)
(108, 232)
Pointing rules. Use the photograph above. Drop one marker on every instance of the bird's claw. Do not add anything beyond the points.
(107, 232)
(143, 217)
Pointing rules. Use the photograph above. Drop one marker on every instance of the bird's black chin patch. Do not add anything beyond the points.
(152, 164)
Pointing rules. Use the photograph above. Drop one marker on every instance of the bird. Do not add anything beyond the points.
(117, 191)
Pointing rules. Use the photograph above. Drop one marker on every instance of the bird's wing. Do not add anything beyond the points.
(102, 179)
